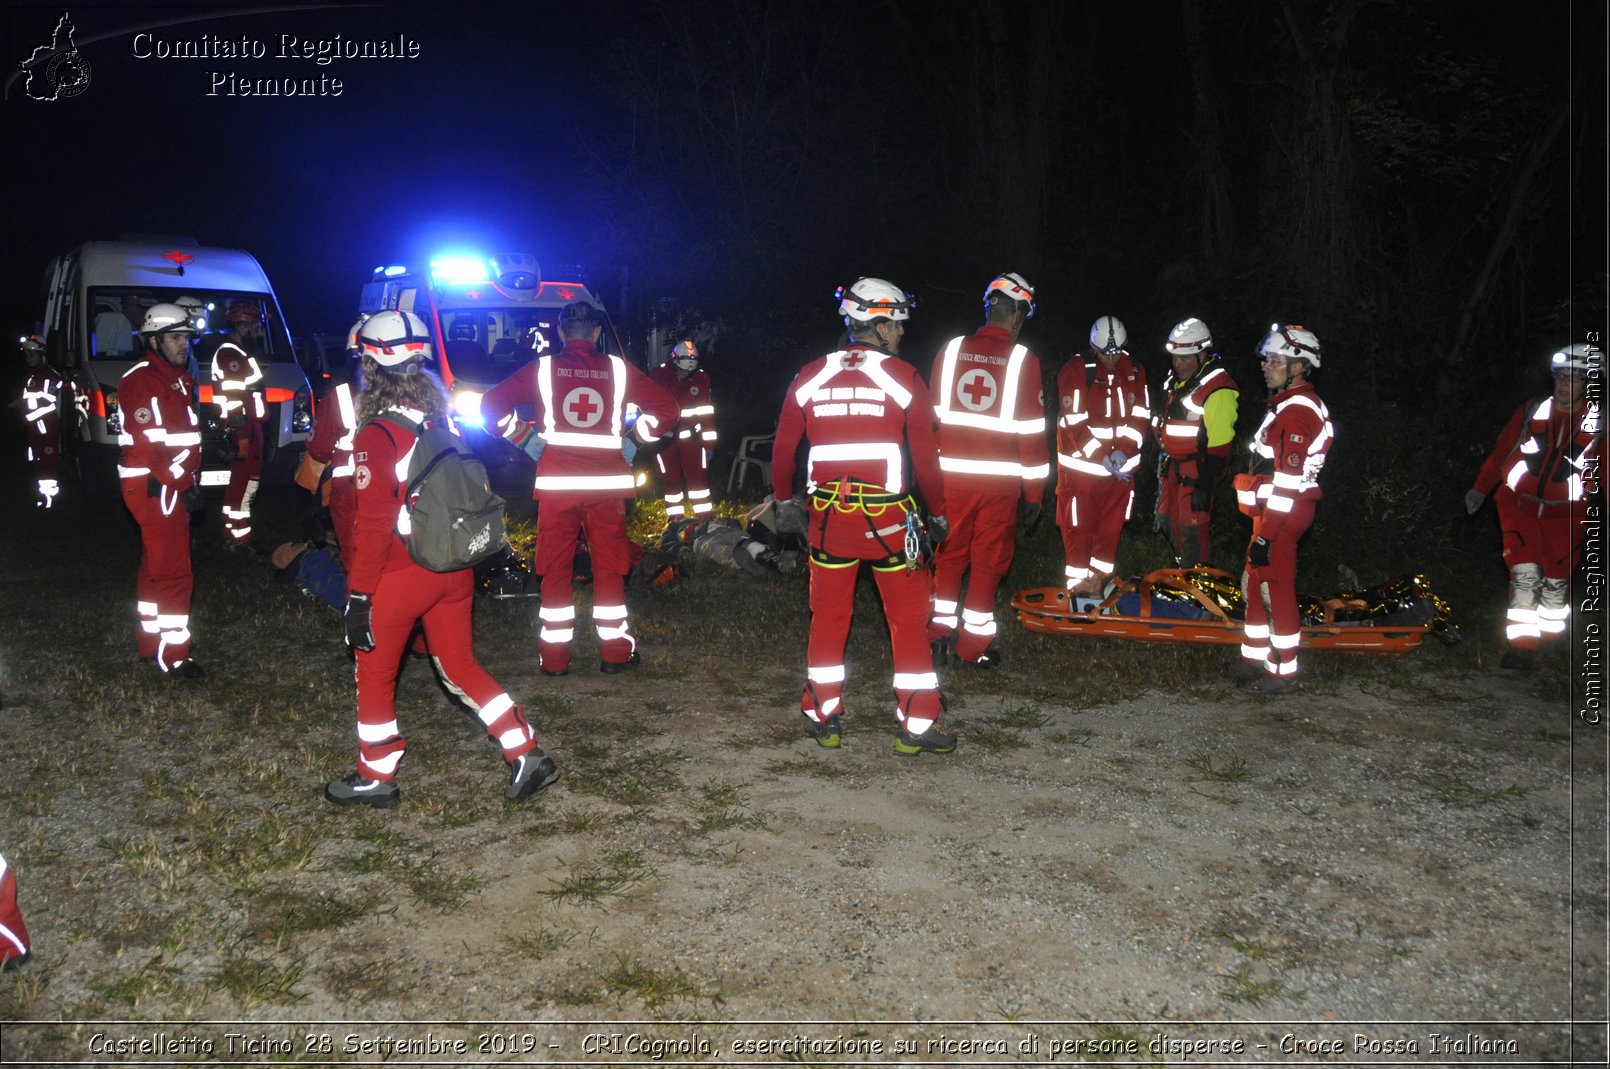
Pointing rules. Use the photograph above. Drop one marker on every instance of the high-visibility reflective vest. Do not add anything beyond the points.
(1290, 448)
(1554, 457)
(1180, 429)
(991, 411)
(237, 382)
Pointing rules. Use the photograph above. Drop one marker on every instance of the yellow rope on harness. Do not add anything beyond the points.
(848, 495)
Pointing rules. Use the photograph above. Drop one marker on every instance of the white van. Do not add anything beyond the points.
(95, 300)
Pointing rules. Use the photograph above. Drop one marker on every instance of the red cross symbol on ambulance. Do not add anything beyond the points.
(976, 390)
(584, 406)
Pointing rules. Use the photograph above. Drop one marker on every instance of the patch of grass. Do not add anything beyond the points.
(1024, 717)
(363, 981)
(253, 980)
(1243, 988)
(1072, 737)
(1459, 792)
(1248, 946)
(153, 980)
(286, 912)
(594, 883)
(634, 777)
(723, 805)
(539, 943)
(444, 892)
(1233, 770)
(653, 987)
(807, 764)
(992, 736)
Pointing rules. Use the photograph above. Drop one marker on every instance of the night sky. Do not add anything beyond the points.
(1366, 168)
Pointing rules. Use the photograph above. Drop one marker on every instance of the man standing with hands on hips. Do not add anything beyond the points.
(1279, 493)
(161, 443)
(868, 419)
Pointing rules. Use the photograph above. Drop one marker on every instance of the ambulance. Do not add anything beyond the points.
(95, 300)
(490, 316)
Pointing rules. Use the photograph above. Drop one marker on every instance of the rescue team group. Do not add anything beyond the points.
(889, 456)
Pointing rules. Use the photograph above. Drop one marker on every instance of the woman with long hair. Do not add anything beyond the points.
(389, 593)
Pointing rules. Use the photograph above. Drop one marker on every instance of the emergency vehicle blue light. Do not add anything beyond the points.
(393, 271)
(461, 269)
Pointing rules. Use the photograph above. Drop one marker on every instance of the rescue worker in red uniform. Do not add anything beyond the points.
(583, 480)
(389, 593)
(13, 933)
(1195, 429)
(1543, 467)
(1104, 424)
(330, 445)
(870, 425)
(237, 389)
(991, 409)
(684, 460)
(1279, 492)
(161, 445)
(42, 399)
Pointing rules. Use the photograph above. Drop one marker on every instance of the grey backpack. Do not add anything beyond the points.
(456, 519)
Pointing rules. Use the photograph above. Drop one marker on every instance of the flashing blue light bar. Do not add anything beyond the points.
(461, 269)
(394, 270)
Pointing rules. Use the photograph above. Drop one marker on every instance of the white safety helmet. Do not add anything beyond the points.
(1583, 358)
(167, 319)
(1189, 338)
(685, 355)
(1014, 286)
(874, 298)
(352, 335)
(1107, 335)
(1290, 340)
(394, 337)
(31, 344)
(195, 310)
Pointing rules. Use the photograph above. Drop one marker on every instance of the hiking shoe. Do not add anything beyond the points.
(940, 648)
(825, 732)
(529, 775)
(353, 789)
(1242, 670)
(990, 658)
(1519, 660)
(610, 668)
(934, 740)
(17, 961)
(1268, 684)
(186, 669)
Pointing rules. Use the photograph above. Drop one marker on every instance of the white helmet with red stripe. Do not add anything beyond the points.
(1014, 286)
(394, 337)
(352, 335)
(1108, 335)
(685, 355)
(1583, 358)
(1292, 341)
(874, 298)
(167, 319)
(1189, 338)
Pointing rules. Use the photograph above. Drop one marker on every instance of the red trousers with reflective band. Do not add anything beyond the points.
(1187, 528)
(683, 462)
(1552, 541)
(982, 540)
(1092, 516)
(560, 524)
(244, 475)
(441, 601)
(13, 933)
(1274, 630)
(850, 538)
(163, 584)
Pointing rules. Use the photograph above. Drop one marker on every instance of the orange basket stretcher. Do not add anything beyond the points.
(1204, 606)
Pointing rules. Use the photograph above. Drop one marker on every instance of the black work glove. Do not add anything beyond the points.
(1028, 514)
(1208, 471)
(1258, 553)
(938, 529)
(360, 633)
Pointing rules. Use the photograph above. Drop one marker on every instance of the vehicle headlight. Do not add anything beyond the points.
(467, 407)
